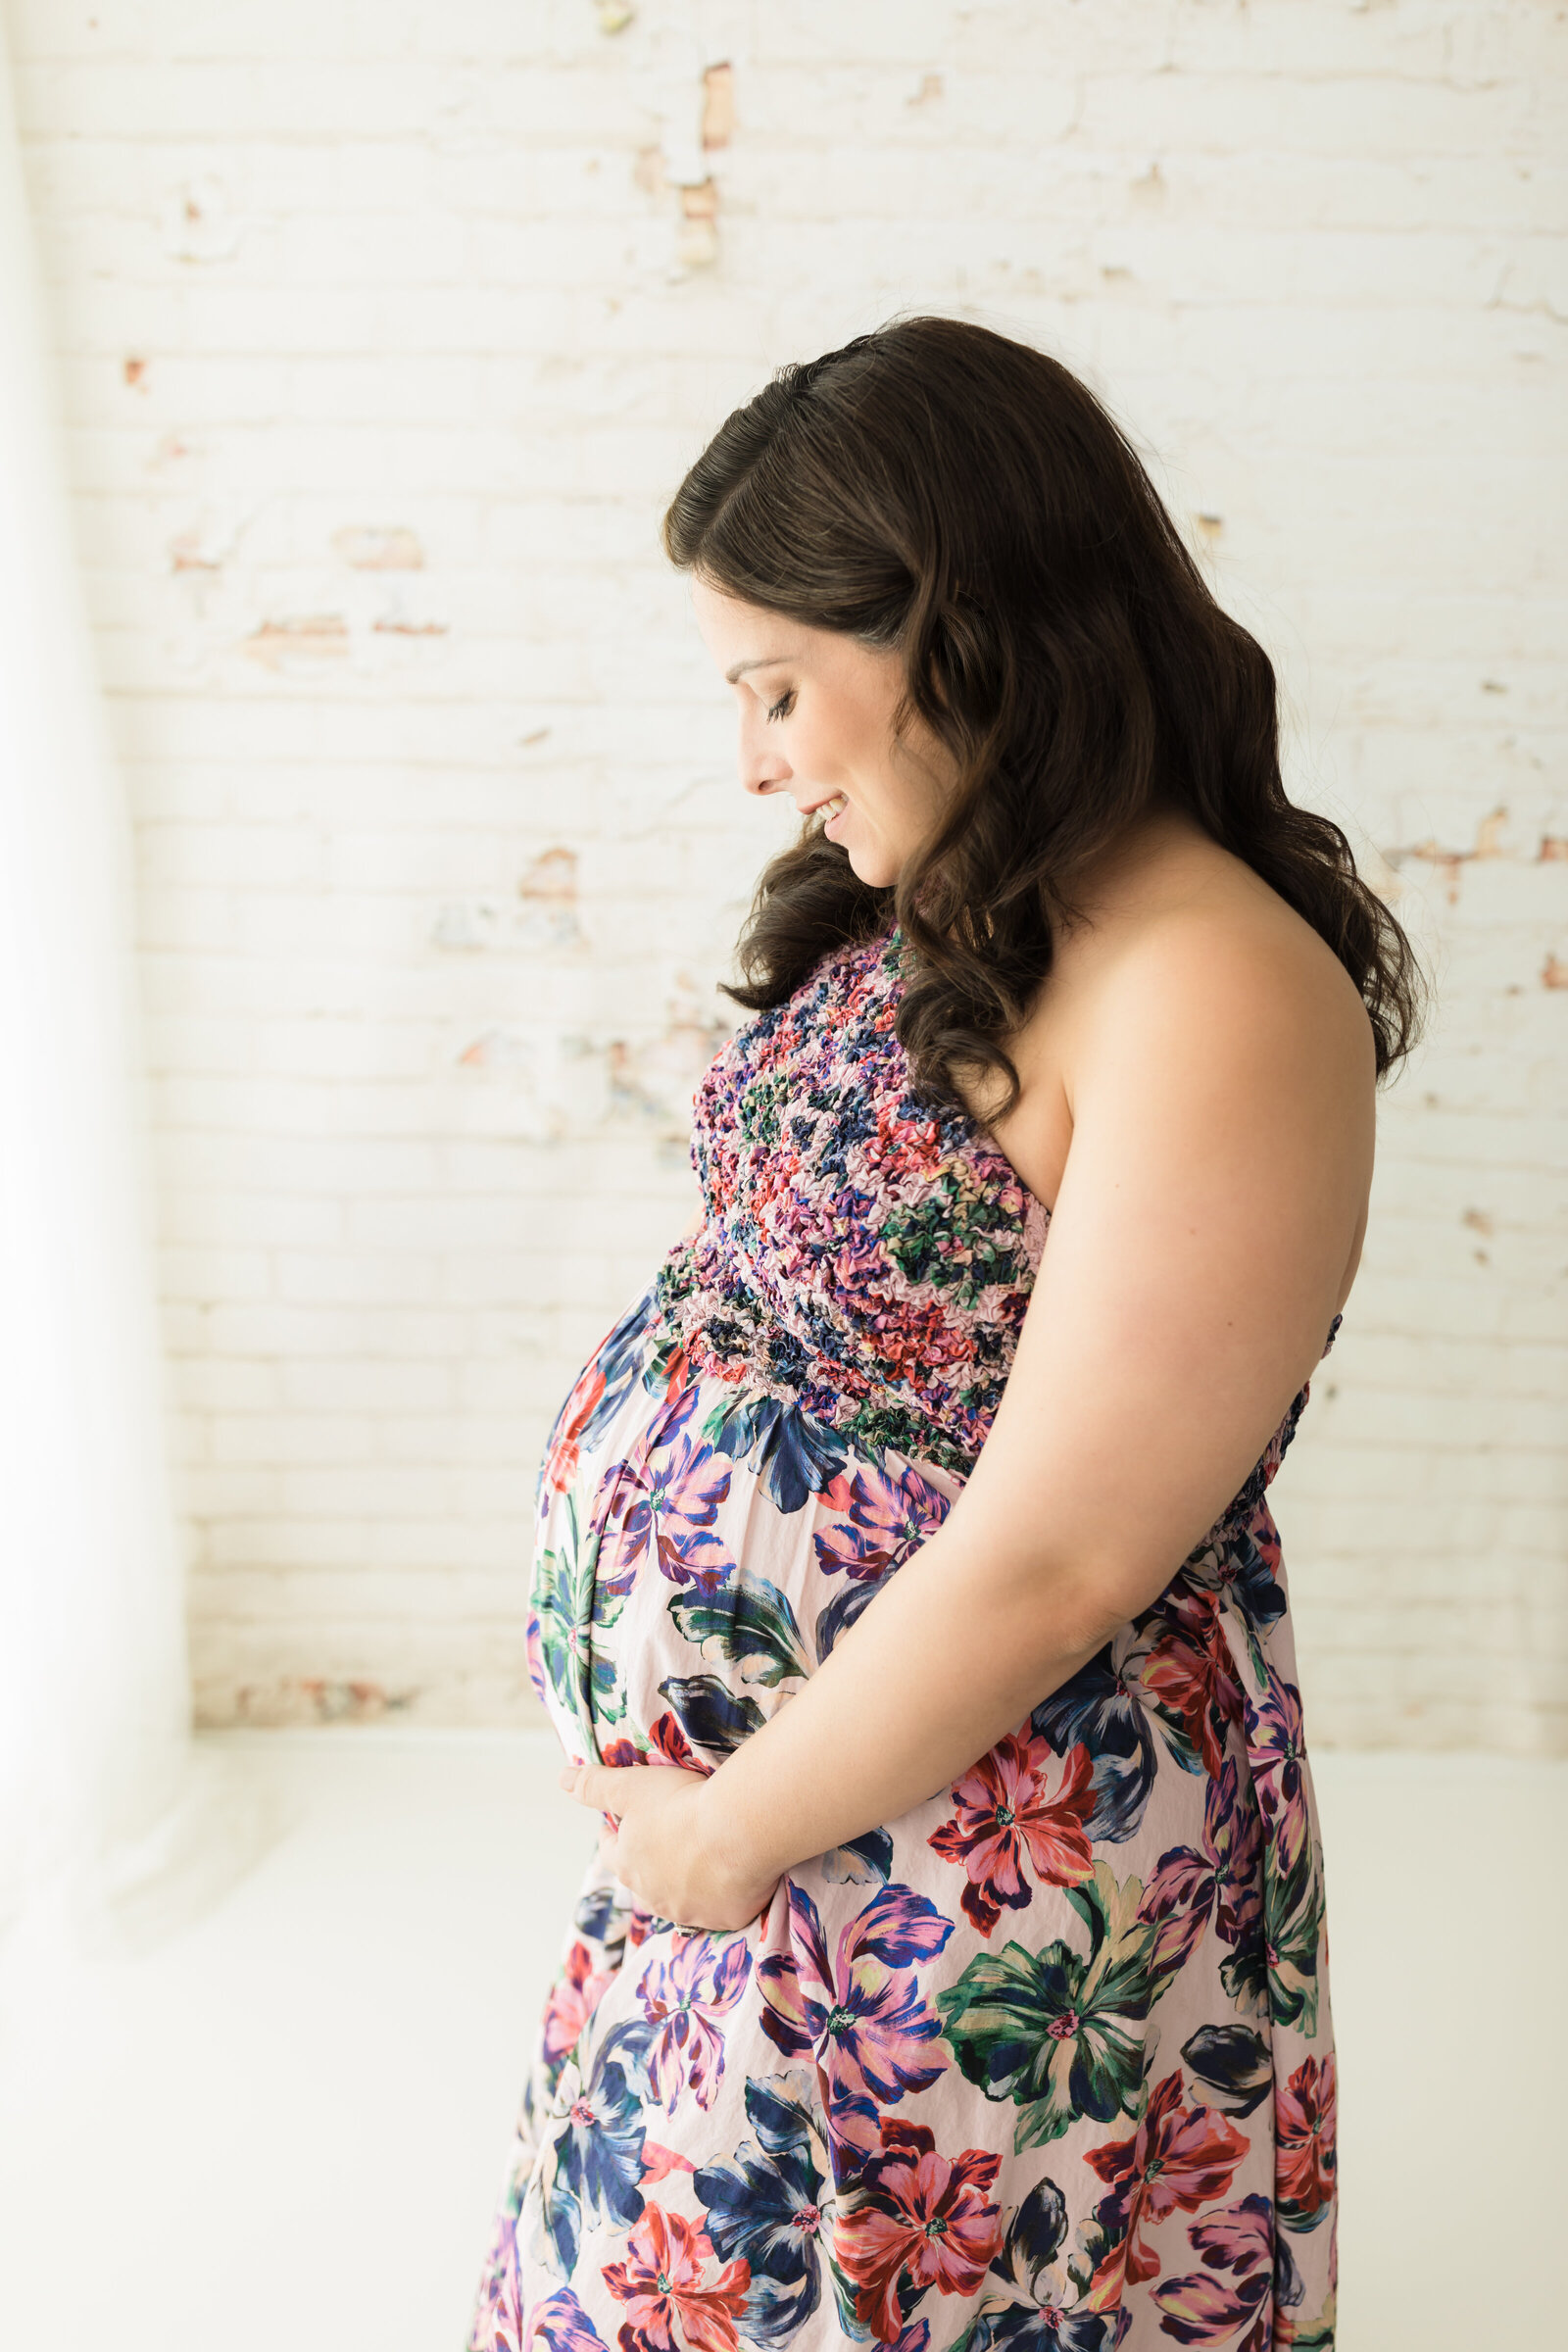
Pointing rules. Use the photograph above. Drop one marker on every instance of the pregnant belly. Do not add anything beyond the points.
(700, 1548)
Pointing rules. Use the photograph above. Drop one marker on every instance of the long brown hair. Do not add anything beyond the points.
(937, 488)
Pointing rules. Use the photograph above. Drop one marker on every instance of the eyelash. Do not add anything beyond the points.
(783, 706)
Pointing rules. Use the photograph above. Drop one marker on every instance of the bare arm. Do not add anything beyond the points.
(1199, 1245)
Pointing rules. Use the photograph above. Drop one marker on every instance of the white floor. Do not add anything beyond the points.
(268, 2115)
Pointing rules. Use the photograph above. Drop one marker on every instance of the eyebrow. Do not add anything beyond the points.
(764, 662)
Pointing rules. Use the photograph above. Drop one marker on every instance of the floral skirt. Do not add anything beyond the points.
(1046, 2063)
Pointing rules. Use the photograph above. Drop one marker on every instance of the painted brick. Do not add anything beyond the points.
(379, 350)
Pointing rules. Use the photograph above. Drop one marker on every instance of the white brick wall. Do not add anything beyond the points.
(383, 335)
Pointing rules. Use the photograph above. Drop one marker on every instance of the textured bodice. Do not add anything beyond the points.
(863, 1255)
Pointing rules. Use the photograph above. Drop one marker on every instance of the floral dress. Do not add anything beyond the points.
(1046, 2063)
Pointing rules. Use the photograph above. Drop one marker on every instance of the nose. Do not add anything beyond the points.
(764, 768)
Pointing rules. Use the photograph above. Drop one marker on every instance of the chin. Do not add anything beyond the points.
(874, 867)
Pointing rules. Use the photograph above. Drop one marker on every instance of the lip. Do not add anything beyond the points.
(812, 806)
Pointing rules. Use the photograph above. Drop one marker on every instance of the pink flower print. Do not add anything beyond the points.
(533, 1651)
(561, 1462)
(1235, 2285)
(661, 2281)
(574, 1998)
(1275, 1745)
(684, 1998)
(917, 2219)
(1180, 2158)
(860, 2014)
(1225, 1879)
(1022, 1797)
(559, 2324)
(882, 1517)
(665, 1499)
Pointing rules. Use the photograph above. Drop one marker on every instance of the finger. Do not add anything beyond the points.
(589, 1785)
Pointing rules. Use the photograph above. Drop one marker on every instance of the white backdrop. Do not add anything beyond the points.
(93, 1697)
(383, 335)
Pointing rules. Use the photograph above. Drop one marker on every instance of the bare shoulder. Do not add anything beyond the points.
(1191, 951)
(1193, 981)
(1230, 965)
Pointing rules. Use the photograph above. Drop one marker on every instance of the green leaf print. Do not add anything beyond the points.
(1292, 1932)
(751, 1623)
(1057, 2032)
(570, 1608)
(948, 1238)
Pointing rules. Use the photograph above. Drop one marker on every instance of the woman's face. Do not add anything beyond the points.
(817, 722)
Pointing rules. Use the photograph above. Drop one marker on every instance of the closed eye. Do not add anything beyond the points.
(784, 706)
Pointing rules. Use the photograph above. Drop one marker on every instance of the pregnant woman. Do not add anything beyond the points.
(952, 1968)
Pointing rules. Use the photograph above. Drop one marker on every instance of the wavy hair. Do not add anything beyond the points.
(944, 491)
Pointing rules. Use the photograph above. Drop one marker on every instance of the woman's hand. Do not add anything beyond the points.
(666, 1842)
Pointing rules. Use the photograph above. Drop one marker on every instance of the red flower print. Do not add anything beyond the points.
(661, 2282)
(1181, 2158)
(1305, 2161)
(1022, 1796)
(667, 1741)
(1190, 1675)
(561, 1462)
(917, 2220)
(574, 1998)
(684, 1997)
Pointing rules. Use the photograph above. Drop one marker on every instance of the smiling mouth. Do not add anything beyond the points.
(832, 806)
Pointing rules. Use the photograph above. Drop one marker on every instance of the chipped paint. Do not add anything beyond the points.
(311, 1699)
(200, 224)
(367, 547)
(1555, 972)
(1451, 863)
(191, 551)
(498, 1050)
(551, 875)
(135, 373)
(318, 637)
(929, 91)
(548, 916)
(718, 106)
(391, 626)
(697, 245)
(651, 1079)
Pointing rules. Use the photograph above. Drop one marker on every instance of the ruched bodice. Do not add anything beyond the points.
(863, 1255)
